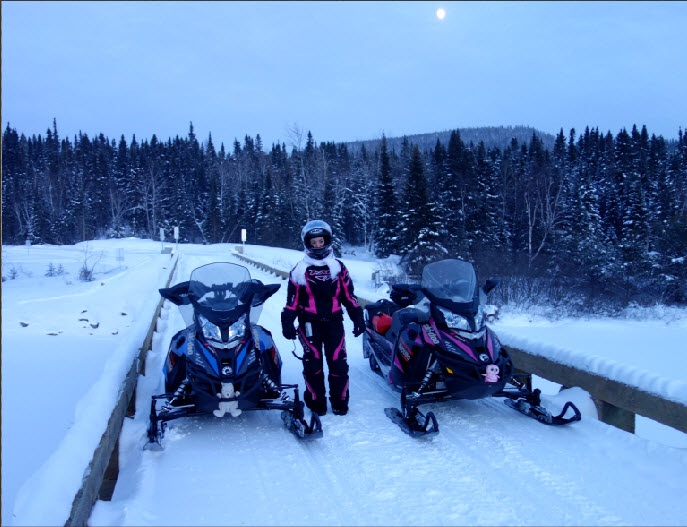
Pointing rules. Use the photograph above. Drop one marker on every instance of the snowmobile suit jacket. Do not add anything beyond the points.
(320, 299)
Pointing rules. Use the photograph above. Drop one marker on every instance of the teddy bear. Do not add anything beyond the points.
(492, 374)
(227, 406)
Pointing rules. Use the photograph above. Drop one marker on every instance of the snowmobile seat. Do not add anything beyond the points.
(382, 306)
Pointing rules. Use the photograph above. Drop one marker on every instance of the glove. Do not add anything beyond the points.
(287, 327)
(358, 324)
(289, 332)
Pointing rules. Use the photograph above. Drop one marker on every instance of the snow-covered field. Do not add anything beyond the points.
(489, 465)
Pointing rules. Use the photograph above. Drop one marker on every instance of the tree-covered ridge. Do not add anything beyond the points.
(604, 217)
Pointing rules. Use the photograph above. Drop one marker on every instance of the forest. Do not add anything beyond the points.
(595, 221)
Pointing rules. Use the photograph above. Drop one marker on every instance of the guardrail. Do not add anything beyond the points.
(617, 403)
(102, 471)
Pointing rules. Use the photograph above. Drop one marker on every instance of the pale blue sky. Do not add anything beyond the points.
(344, 70)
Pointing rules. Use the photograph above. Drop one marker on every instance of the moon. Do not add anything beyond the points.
(441, 13)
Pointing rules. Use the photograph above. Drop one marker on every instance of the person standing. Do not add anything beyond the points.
(319, 285)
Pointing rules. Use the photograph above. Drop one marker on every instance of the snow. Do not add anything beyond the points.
(487, 466)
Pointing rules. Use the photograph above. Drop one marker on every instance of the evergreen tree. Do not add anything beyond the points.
(386, 236)
(421, 235)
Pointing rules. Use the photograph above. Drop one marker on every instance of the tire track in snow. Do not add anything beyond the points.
(566, 501)
(488, 465)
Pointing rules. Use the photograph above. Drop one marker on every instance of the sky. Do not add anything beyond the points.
(488, 465)
(345, 71)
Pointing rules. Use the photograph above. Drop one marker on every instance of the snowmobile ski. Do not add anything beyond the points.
(417, 426)
(299, 427)
(541, 414)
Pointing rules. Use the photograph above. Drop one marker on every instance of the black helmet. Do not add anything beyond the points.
(314, 229)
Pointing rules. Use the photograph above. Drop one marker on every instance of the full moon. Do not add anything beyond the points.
(441, 13)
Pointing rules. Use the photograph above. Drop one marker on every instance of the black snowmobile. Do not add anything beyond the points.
(224, 362)
(431, 343)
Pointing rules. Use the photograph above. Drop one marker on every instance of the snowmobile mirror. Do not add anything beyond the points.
(270, 289)
(177, 294)
(490, 284)
(266, 291)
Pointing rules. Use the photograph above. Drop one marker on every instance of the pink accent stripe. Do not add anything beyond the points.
(339, 347)
(311, 299)
(397, 364)
(346, 281)
(310, 346)
(314, 396)
(335, 301)
(461, 345)
(490, 345)
(294, 304)
(345, 390)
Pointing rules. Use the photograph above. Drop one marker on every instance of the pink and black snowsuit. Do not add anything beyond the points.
(315, 295)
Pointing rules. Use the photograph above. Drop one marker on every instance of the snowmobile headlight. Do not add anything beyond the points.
(454, 320)
(237, 329)
(210, 330)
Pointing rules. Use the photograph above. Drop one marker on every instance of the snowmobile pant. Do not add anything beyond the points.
(324, 340)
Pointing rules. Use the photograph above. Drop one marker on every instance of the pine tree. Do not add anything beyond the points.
(386, 236)
(421, 227)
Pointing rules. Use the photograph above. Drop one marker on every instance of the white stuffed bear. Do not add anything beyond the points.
(227, 406)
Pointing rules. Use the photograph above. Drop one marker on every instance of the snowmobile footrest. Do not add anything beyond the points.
(414, 427)
(302, 430)
(542, 415)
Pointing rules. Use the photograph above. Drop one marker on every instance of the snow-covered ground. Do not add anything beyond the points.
(489, 465)
(66, 347)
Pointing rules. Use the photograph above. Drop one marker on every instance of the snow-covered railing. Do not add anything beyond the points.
(104, 467)
(617, 403)
(262, 266)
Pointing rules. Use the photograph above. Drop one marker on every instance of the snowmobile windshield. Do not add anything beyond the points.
(222, 292)
(453, 284)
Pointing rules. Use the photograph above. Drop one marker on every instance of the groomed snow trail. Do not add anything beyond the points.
(488, 465)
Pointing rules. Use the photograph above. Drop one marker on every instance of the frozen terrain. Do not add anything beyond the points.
(488, 466)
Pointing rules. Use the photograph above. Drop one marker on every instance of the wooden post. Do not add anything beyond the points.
(612, 415)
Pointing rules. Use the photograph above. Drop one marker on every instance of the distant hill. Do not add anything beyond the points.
(493, 136)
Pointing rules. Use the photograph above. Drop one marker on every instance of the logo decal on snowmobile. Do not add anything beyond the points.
(484, 358)
(431, 334)
(227, 370)
(404, 350)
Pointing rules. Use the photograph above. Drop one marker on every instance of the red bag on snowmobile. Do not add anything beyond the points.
(381, 323)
